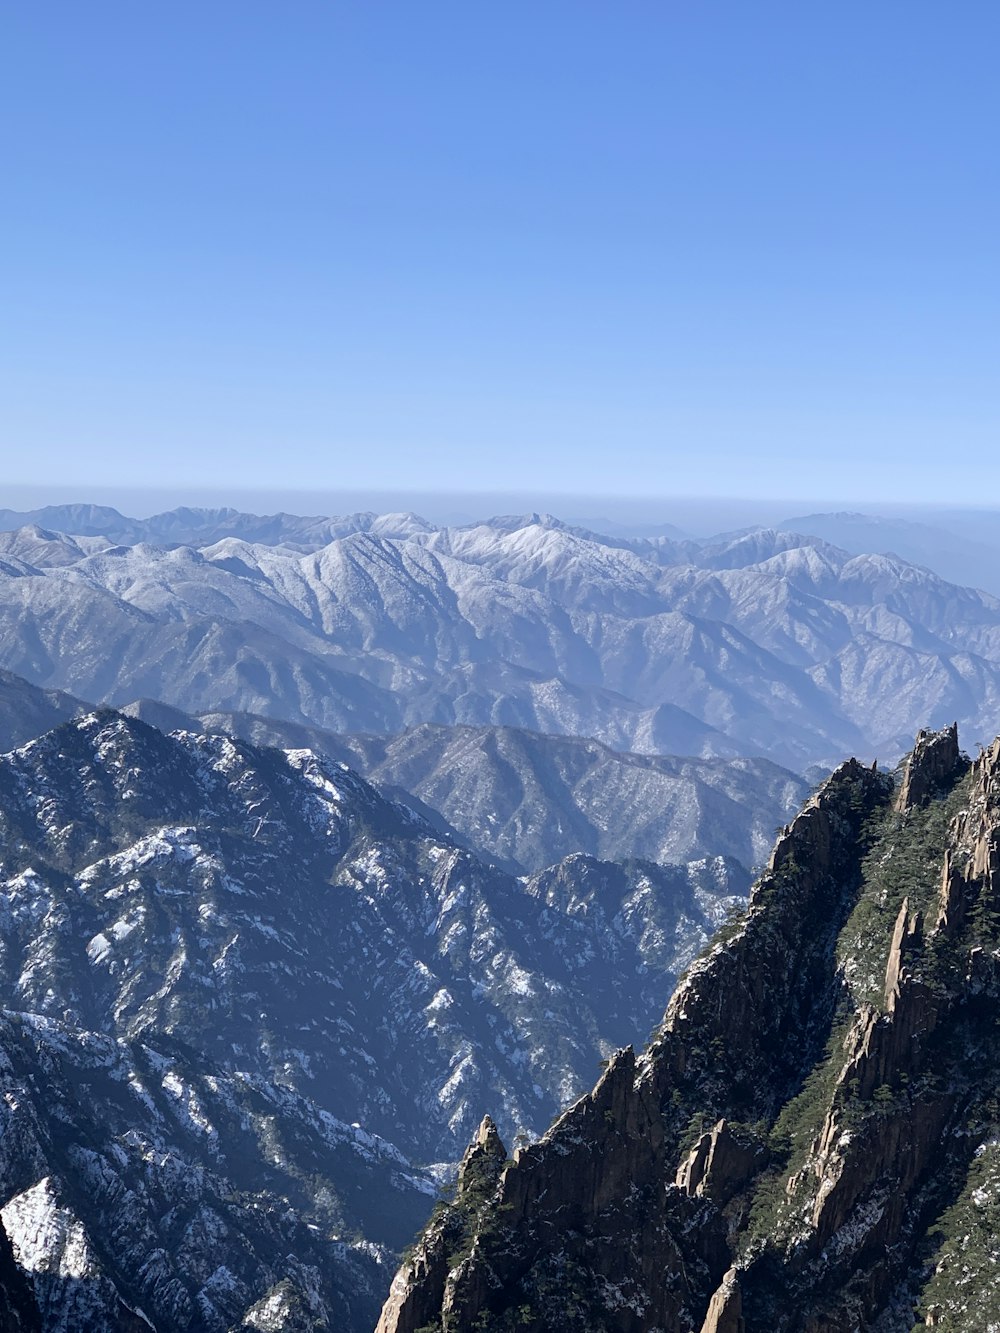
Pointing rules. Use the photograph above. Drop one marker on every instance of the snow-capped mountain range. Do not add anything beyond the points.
(770, 643)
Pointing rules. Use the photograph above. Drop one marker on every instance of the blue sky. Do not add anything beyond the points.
(638, 249)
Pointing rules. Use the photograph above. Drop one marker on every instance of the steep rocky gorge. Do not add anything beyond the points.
(811, 1142)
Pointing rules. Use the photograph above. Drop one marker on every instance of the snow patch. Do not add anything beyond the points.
(47, 1238)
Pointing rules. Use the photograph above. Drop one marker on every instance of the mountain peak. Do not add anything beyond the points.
(931, 767)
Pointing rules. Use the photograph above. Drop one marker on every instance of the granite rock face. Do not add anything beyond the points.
(933, 766)
(811, 1143)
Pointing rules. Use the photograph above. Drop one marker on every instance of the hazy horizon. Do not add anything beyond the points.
(696, 515)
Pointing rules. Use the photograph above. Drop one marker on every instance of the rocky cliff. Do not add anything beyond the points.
(811, 1142)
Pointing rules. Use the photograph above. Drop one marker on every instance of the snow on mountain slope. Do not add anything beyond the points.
(524, 623)
(530, 800)
(521, 797)
(233, 978)
(147, 1187)
(36, 546)
(364, 635)
(535, 799)
(270, 909)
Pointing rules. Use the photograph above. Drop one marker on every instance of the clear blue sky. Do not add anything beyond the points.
(636, 248)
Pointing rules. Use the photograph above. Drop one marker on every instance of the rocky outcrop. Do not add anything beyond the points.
(725, 1309)
(720, 1164)
(796, 1145)
(931, 767)
(610, 1213)
(881, 1049)
(483, 1158)
(415, 1296)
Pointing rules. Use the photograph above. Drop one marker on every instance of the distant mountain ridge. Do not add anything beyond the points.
(196, 527)
(530, 800)
(768, 643)
(961, 547)
(522, 798)
(963, 558)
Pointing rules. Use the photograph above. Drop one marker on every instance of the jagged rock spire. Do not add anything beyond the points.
(718, 1165)
(931, 767)
(725, 1310)
(484, 1155)
(419, 1288)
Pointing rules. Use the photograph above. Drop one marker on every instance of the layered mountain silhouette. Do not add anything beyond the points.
(766, 644)
(523, 799)
(528, 800)
(409, 840)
